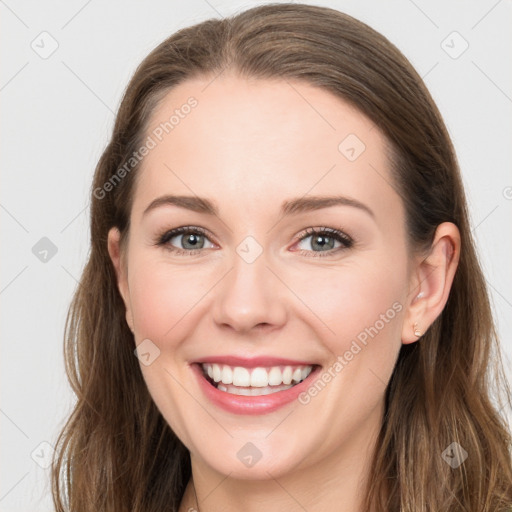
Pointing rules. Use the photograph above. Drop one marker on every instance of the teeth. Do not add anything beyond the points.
(259, 378)
(234, 390)
(217, 373)
(287, 375)
(241, 377)
(227, 375)
(275, 376)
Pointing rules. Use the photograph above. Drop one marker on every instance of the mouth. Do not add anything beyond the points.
(258, 381)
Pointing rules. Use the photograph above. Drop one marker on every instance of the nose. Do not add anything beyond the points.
(250, 298)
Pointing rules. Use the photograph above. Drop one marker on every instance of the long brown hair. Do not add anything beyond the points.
(117, 453)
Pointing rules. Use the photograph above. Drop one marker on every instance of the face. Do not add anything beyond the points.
(265, 233)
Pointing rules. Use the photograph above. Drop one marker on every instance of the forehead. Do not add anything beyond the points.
(243, 139)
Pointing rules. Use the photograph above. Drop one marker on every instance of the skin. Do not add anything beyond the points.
(248, 146)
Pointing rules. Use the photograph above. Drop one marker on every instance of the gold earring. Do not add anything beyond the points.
(417, 332)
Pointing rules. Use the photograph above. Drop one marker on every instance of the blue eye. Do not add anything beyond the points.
(324, 240)
(185, 240)
(190, 240)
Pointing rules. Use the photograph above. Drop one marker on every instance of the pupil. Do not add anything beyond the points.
(323, 242)
(192, 241)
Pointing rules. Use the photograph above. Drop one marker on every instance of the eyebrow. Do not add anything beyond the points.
(290, 207)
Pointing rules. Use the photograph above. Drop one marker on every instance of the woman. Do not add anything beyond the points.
(280, 235)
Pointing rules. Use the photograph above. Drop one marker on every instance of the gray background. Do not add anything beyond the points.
(58, 111)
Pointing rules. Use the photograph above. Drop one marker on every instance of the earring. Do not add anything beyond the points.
(420, 295)
(417, 332)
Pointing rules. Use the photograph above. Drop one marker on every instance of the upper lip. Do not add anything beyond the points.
(253, 362)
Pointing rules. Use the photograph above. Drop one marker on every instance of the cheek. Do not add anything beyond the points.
(349, 301)
(361, 311)
(344, 302)
(162, 296)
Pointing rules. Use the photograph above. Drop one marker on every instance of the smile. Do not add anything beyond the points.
(238, 380)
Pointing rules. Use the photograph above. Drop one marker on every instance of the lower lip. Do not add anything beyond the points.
(240, 404)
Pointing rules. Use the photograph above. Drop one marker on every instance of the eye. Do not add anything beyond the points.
(324, 240)
(185, 240)
(191, 239)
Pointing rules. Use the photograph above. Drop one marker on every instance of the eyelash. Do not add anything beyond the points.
(164, 239)
(346, 241)
(339, 236)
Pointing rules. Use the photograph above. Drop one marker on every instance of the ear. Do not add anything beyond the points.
(432, 278)
(114, 250)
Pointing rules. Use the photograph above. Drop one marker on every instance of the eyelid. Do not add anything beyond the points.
(337, 233)
(346, 240)
(163, 238)
(170, 233)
